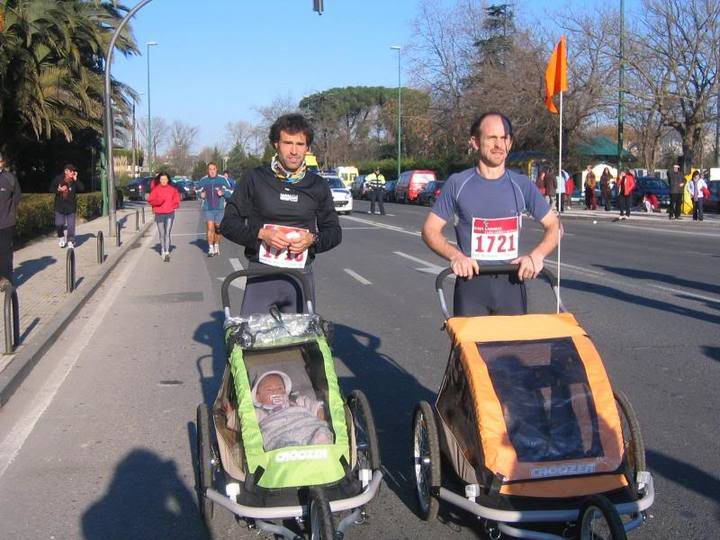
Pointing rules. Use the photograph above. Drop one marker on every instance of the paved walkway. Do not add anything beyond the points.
(40, 271)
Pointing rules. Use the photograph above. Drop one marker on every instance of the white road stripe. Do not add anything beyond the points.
(383, 226)
(357, 277)
(684, 293)
(428, 268)
(17, 436)
(236, 264)
(553, 266)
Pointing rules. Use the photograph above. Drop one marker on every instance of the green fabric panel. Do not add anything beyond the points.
(295, 465)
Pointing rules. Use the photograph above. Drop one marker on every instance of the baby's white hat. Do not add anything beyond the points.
(286, 379)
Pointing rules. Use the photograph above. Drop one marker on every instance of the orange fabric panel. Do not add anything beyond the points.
(566, 487)
(499, 453)
(513, 327)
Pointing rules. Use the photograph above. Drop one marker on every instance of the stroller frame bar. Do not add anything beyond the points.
(287, 512)
(547, 516)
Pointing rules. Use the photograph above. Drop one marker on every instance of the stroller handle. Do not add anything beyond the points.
(302, 278)
(492, 269)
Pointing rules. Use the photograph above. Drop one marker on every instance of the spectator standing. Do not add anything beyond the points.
(65, 187)
(569, 188)
(164, 199)
(605, 190)
(698, 190)
(9, 199)
(376, 181)
(626, 185)
(590, 183)
(550, 188)
(677, 184)
(540, 182)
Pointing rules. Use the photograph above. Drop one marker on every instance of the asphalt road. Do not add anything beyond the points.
(98, 442)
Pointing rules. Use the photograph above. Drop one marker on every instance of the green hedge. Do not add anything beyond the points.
(36, 213)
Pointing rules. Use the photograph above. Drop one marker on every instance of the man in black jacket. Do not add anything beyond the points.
(677, 185)
(284, 215)
(9, 199)
(65, 187)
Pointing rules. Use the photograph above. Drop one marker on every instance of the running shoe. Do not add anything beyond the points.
(71, 245)
(62, 242)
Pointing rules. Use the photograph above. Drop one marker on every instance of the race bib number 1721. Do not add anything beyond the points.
(495, 239)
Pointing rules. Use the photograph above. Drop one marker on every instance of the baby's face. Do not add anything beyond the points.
(271, 387)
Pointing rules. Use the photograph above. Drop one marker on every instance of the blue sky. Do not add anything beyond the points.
(218, 59)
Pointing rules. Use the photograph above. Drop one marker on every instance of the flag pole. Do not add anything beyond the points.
(561, 179)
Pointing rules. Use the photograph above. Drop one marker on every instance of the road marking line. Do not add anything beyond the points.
(22, 429)
(553, 266)
(383, 226)
(357, 277)
(675, 231)
(429, 268)
(685, 293)
(236, 264)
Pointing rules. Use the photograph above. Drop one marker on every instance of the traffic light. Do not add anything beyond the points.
(318, 6)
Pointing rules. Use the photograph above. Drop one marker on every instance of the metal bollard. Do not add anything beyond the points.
(70, 270)
(100, 247)
(137, 220)
(118, 228)
(11, 317)
(143, 215)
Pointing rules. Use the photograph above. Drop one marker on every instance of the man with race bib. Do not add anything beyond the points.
(284, 215)
(487, 204)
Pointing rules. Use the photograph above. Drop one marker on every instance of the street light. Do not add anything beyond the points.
(134, 136)
(399, 130)
(148, 158)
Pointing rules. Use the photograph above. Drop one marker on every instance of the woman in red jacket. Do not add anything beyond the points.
(626, 185)
(164, 199)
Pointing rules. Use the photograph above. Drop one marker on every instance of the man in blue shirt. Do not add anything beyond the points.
(488, 202)
(213, 191)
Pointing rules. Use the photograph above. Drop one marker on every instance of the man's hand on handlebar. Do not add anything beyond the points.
(530, 266)
(464, 266)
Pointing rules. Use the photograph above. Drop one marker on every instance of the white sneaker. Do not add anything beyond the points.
(217, 249)
(211, 251)
(62, 242)
(71, 245)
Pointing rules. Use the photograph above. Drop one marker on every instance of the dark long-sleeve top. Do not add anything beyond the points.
(65, 203)
(9, 199)
(261, 198)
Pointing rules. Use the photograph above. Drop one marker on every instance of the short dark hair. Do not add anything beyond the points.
(291, 123)
(161, 173)
(475, 127)
(213, 164)
(70, 167)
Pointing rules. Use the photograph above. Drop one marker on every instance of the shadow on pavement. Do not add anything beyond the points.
(210, 367)
(662, 278)
(711, 352)
(201, 244)
(146, 499)
(686, 475)
(393, 393)
(635, 299)
(27, 269)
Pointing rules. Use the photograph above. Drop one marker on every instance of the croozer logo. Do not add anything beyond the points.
(302, 455)
(569, 469)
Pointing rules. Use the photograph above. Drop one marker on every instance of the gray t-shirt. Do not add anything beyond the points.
(468, 195)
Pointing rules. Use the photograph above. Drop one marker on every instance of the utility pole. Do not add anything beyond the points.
(621, 88)
(399, 128)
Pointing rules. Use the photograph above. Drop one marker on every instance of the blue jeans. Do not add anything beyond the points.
(65, 222)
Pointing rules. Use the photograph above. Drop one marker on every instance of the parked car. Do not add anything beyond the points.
(431, 192)
(651, 184)
(342, 198)
(713, 203)
(186, 189)
(359, 187)
(390, 190)
(410, 185)
(138, 189)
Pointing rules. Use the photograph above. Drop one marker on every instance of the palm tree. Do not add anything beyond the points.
(51, 69)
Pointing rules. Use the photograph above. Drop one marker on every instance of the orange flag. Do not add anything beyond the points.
(556, 75)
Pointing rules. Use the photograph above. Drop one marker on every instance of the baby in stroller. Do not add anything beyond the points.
(288, 418)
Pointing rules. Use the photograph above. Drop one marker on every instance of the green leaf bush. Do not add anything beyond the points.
(36, 214)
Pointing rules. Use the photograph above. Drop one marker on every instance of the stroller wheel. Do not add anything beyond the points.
(600, 521)
(634, 445)
(205, 466)
(366, 442)
(426, 460)
(321, 520)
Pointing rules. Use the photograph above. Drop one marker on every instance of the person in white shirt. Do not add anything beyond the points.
(697, 190)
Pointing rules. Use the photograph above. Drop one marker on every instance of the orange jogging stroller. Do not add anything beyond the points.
(527, 432)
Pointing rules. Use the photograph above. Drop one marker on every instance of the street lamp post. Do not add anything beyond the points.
(148, 158)
(621, 89)
(399, 128)
(134, 137)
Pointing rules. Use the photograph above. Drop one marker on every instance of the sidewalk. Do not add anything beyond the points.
(40, 281)
(711, 221)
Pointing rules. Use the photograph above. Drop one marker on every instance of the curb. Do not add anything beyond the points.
(28, 355)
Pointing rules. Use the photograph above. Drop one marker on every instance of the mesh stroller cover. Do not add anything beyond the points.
(526, 403)
(295, 346)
